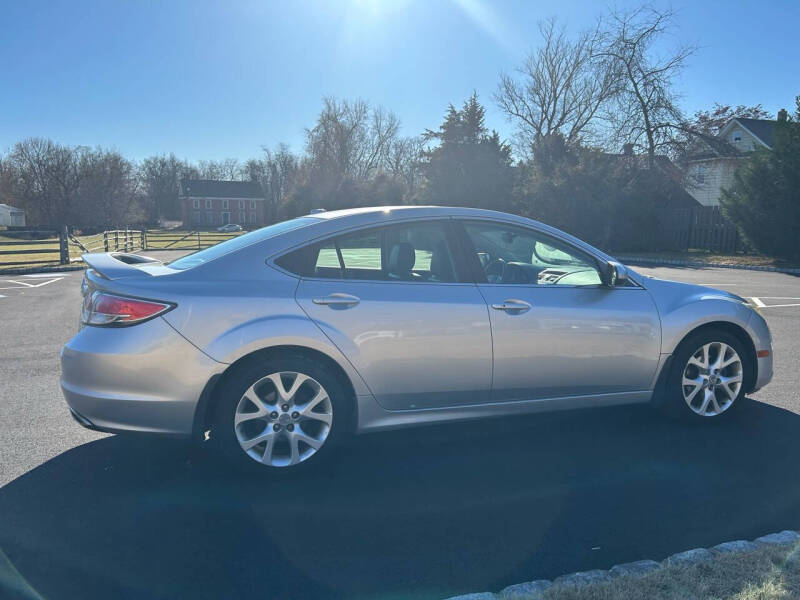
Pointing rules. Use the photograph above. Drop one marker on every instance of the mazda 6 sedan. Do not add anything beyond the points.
(279, 343)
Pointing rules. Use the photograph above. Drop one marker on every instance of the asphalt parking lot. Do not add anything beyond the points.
(418, 513)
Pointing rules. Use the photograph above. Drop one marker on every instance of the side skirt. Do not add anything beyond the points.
(372, 417)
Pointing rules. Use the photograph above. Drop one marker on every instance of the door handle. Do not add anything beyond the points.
(512, 305)
(337, 300)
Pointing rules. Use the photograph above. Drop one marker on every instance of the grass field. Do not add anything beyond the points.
(767, 573)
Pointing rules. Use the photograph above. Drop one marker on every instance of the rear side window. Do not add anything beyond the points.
(409, 252)
(241, 241)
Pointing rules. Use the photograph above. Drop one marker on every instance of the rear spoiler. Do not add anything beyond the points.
(118, 265)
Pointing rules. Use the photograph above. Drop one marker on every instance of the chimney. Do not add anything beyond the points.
(782, 114)
(627, 150)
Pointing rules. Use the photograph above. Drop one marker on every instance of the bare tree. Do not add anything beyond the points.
(402, 161)
(276, 173)
(159, 177)
(71, 185)
(219, 170)
(559, 88)
(108, 191)
(351, 139)
(45, 179)
(645, 112)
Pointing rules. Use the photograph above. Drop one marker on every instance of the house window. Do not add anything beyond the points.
(208, 203)
(196, 203)
(241, 206)
(209, 218)
(225, 205)
(226, 218)
(252, 204)
(241, 216)
(700, 174)
(252, 217)
(736, 137)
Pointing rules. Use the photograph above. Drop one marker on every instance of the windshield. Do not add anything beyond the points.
(203, 256)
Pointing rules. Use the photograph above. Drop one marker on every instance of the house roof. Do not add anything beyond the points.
(207, 188)
(717, 146)
(760, 128)
(12, 208)
(672, 176)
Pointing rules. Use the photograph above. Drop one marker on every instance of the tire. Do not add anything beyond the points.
(261, 425)
(713, 392)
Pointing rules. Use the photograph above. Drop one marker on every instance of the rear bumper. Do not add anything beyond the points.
(146, 378)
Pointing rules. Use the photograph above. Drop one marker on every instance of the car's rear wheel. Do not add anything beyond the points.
(280, 414)
(708, 375)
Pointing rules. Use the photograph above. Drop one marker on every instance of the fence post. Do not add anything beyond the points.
(198, 240)
(105, 241)
(116, 240)
(63, 245)
(143, 241)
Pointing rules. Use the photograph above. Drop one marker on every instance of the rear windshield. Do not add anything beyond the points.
(233, 244)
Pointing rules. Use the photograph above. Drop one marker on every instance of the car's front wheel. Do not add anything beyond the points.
(280, 414)
(707, 379)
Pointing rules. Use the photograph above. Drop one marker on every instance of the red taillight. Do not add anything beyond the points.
(107, 309)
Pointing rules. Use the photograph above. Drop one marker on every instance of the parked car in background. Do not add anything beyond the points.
(230, 227)
(284, 340)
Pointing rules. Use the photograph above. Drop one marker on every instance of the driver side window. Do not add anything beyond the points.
(515, 255)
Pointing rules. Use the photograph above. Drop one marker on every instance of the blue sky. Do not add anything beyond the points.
(220, 79)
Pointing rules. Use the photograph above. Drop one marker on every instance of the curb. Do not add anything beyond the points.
(31, 270)
(669, 262)
(534, 590)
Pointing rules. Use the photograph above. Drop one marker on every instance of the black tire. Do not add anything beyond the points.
(224, 432)
(674, 402)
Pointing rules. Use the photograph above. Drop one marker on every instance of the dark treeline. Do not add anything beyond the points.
(575, 102)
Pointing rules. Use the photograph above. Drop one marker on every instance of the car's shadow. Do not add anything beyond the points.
(415, 513)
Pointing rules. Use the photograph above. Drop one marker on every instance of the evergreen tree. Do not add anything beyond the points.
(764, 201)
(470, 166)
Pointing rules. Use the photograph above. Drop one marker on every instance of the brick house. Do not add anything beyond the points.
(208, 203)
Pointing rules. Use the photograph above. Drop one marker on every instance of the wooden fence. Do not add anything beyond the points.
(700, 228)
(41, 248)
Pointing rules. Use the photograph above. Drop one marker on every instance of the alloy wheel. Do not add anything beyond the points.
(283, 419)
(712, 379)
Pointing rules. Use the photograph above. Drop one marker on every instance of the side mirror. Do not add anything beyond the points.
(616, 274)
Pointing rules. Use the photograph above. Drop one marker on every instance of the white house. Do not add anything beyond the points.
(712, 161)
(11, 217)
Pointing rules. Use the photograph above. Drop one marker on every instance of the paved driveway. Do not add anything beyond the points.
(417, 513)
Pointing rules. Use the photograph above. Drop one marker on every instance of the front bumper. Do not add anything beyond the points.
(762, 340)
(146, 378)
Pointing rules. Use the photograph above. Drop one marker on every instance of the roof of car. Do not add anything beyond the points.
(409, 211)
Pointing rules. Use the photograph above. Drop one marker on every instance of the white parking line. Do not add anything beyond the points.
(22, 285)
(759, 302)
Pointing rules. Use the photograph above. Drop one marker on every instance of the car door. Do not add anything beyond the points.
(557, 330)
(395, 301)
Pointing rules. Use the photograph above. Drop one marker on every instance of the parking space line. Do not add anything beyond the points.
(759, 302)
(24, 285)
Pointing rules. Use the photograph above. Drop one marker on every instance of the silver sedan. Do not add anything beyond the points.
(279, 343)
